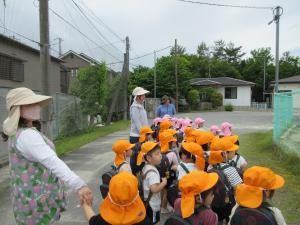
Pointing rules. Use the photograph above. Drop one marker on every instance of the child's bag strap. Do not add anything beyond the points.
(184, 168)
(150, 192)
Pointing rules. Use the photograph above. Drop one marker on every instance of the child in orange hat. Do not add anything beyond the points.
(123, 150)
(152, 187)
(197, 190)
(234, 158)
(119, 207)
(168, 164)
(255, 193)
(145, 135)
(192, 159)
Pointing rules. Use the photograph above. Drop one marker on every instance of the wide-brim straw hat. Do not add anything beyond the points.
(123, 204)
(16, 98)
(139, 91)
(256, 180)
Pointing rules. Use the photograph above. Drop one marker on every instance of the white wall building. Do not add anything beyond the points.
(234, 91)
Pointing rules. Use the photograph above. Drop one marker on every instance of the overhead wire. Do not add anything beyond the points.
(227, 5)
(93, 25)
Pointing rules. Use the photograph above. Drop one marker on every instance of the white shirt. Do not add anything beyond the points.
(33, 147)
(190, 166)
(151, 178)
(138, 116)
(241, 163)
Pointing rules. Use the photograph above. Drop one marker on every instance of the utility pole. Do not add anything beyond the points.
(126, 76)
(44, 57)
(59, 46)
(176, 75)
(277, 12)
(4, 16)
(264, 78)
(154, 74)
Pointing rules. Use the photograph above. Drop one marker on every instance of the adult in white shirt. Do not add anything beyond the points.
(37, 174)
(138, 114)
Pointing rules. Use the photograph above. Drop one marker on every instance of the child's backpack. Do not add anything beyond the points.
(173, 191)
(180, 136)
(177, 220)
(106, 177)
(246, 216)
(141, 177)
(234, 164)
(164, 169)
(156, 131)
(133, 159)
(223, 200)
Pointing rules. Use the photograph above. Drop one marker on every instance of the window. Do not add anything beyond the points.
(231, 93)
(11, 69)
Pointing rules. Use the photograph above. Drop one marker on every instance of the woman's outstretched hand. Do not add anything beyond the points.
(85, 194)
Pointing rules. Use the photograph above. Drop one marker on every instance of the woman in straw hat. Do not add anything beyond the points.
(122, 206)
(138, 114)
(197, 193)
(256, 192)
(37, 174)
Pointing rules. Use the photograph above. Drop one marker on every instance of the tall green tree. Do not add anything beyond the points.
(233, 54)
(203, 50)
(180, 50)
(92, 88)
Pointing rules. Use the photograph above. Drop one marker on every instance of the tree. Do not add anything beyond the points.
(180, 50)
(233, 54)
(288, 65)
(219, 49)
(91, 88)
(203, 50)
(193, 98)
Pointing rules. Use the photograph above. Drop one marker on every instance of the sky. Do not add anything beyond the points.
(152, 25)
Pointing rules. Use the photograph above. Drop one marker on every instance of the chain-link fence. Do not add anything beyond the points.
(287, 120)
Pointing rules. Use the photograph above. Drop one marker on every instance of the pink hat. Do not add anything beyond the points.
(215, 129)
(166, 117)
(185, 123)
(199, 120)
(226, 128)
(157, 120)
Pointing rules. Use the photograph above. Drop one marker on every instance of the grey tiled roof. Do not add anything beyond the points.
(220, 81)
(293, 79)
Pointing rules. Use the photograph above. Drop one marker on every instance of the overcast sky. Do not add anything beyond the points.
(154, 24)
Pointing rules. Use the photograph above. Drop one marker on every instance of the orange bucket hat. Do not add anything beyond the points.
(165, 125)
(197, 151)
(256, 179)
(203, 137)
(221, 144)
(119, 147)
(165, 138)
(191, 185)
(145, 148)
(189, 134)
(232, 138)
(215, 157)
(123, 204)
(143, 132)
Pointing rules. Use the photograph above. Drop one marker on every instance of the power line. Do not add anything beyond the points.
(141, 56)
(106, 26)
(93, 25)
(79, 31)
(227, 5)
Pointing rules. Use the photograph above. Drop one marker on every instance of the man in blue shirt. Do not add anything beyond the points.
(166, 107)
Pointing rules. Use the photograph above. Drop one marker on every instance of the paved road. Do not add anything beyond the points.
(91, 160)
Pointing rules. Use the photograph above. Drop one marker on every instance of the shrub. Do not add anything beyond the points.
(228, 107)
(193, 98)
(216, 99)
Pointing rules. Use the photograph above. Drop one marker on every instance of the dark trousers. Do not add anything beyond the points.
(151, 217)
(133, 140)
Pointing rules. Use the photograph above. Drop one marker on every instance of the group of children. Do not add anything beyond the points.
(179, 167)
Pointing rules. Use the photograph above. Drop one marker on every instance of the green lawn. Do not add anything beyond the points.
(68, 144)
(258, 149)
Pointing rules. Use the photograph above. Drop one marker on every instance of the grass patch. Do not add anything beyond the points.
(68, 144)
(258, 149)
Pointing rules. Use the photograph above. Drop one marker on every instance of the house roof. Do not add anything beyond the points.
(219, 81)
(289, 80)
(83, 56)
(19, 44)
